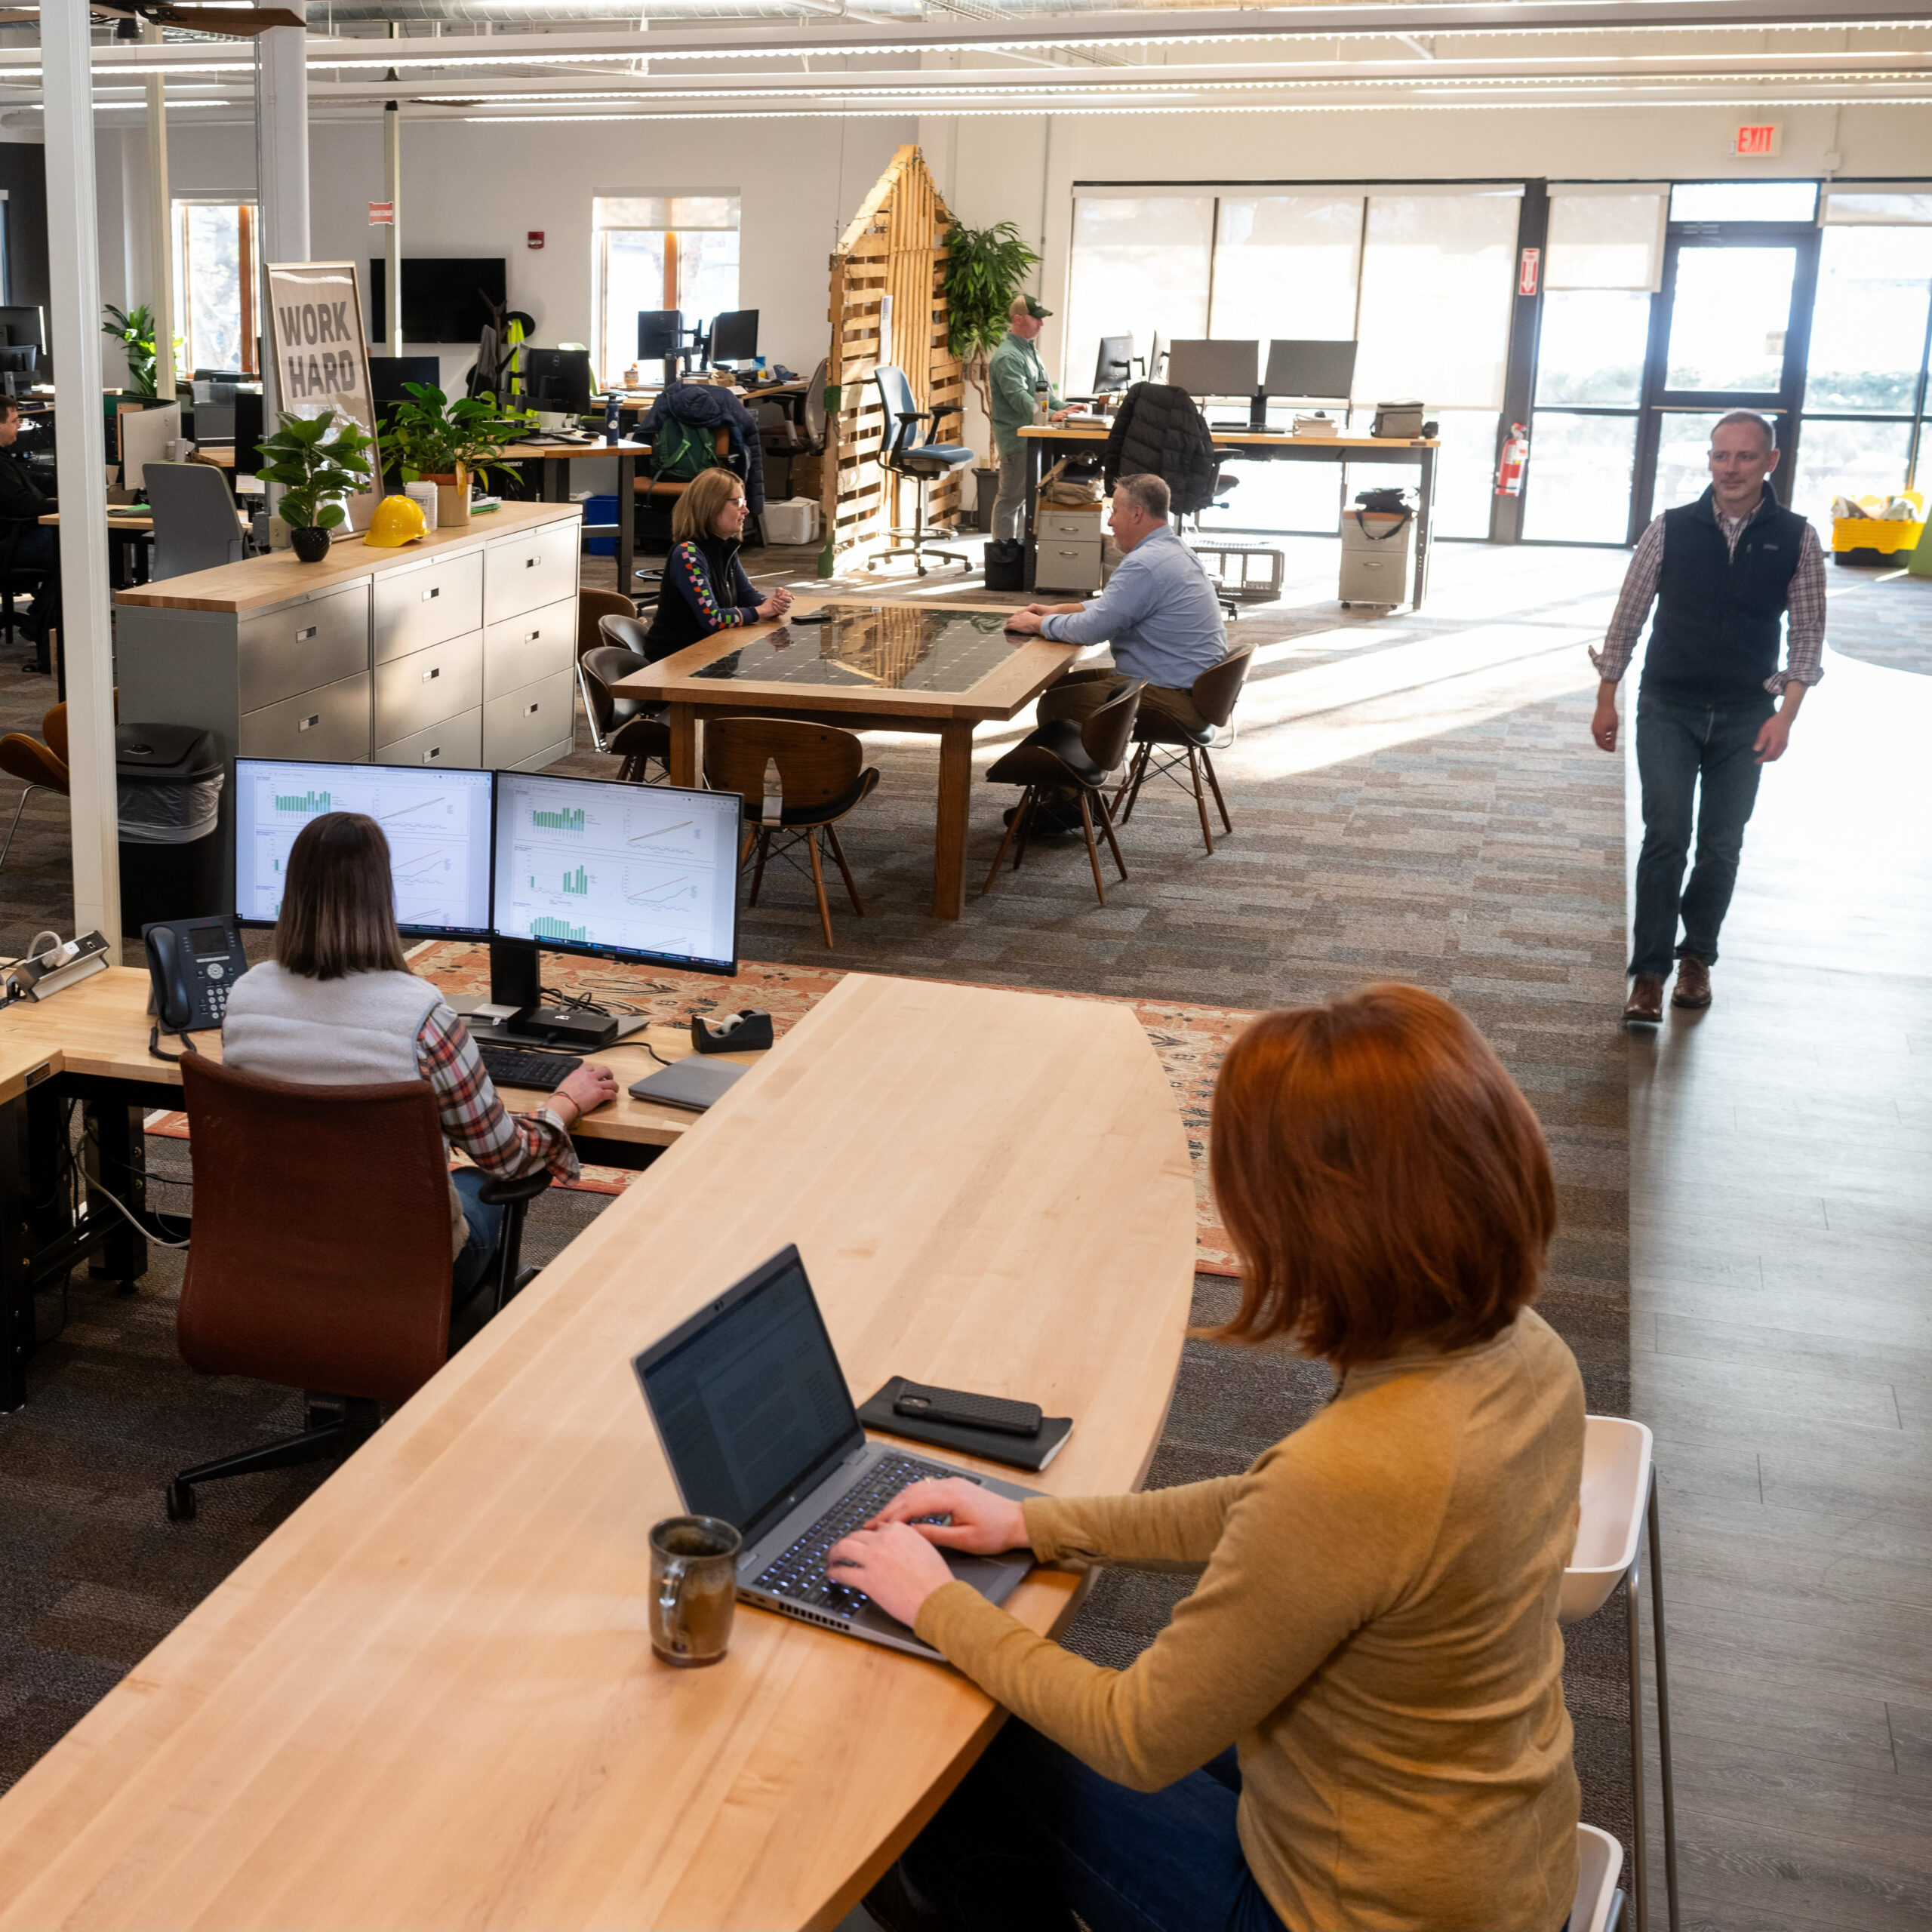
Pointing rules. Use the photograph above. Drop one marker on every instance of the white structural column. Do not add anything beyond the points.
(390, 325)
(161, 231)
(282, 171)
(80, 440)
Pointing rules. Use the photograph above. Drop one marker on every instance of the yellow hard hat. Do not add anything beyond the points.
(397, 520)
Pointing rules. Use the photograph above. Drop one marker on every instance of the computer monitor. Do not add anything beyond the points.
(145, 435)
(1321, 371)
(1115, 365)
(644, 872)
(557, 381)
(25, 325)
(660, 333)
(248, 429)
(437, 822)
(1210, 368)
(734, 336)
(387, 374)
(444, 299)
(19, 362)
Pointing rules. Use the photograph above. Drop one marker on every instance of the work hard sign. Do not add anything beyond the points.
(318, 353)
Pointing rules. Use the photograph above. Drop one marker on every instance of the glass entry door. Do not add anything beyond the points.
(1729, 333)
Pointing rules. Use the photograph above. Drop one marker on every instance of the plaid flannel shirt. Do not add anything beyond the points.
(1804, 634)
(502, 1144)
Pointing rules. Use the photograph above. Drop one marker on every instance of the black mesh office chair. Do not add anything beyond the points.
(903, 452)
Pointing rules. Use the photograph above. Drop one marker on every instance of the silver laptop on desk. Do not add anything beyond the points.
(751, 1406)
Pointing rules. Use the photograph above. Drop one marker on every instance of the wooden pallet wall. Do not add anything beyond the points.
(894, 249)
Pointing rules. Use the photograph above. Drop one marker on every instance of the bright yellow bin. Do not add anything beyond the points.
(1865, 532)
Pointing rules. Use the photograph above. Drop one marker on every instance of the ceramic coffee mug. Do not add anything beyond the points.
(693, 1589)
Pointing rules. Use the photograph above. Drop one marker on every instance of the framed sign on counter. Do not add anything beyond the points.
(319, 347)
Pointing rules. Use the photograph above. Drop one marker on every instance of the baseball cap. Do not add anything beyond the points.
(1033, 309)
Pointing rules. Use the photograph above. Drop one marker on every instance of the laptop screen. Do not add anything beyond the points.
(748, 1399)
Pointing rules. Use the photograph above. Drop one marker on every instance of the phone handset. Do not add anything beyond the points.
(171, 1003)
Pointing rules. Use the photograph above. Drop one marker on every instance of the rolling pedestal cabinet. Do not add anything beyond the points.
(460, 651)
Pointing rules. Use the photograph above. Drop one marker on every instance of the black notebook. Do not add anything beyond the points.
(1022, 1452)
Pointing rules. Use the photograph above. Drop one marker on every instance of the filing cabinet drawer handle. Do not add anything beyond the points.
(303, 637)
(530, 709)
(436, 673)
(432, 753)
(436, 591)
(530, 563)
(314, 717)
(532, 636)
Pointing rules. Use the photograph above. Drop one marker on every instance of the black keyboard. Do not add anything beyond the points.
(800, 1574)
(514, 1066)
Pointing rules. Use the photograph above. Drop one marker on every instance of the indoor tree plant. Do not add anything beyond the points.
(440, 441)
(985, 270)
(135, 328)
(315, 468)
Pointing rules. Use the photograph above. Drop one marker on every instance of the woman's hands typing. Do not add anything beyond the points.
(895, 1559)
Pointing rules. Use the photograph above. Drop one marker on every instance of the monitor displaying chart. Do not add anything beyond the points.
(643, 872)
(437, 823)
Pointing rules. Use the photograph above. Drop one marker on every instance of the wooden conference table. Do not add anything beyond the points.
(899, 667)
(1057, 439)
(429, 1697)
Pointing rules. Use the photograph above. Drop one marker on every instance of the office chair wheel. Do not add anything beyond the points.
(180, 1503)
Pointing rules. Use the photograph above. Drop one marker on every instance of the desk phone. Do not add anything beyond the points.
(191, 963)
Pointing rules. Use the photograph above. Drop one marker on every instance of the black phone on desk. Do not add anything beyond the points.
(191, 965)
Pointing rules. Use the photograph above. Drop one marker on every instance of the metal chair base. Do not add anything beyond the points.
(340, 1437)
(761, 836)
(1197, 760)
(1023, 818)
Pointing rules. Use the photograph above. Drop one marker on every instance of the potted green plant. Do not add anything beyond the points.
(136, 329)
(315, 468)
(439, 441)
(986, 268)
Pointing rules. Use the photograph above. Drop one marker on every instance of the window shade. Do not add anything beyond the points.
(1864, 207)
(717, 209)
(1599, 240)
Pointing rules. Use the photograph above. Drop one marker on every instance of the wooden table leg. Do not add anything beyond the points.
(683, 721)
(955, 794)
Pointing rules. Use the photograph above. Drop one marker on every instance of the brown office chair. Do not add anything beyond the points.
(1215, 693)
(593, 607)
(1069, 753)
(282, 1284)
(822, 776)
(40, 763)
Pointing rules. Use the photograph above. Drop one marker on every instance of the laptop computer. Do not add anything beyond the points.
(751, 1408)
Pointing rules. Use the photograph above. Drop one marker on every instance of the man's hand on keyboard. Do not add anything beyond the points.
(893, 1564)
(983, 1525)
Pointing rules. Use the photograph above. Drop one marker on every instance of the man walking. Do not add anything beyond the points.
(1015, 375)
(1723, 571)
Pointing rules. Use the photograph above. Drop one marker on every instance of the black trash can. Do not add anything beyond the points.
(169, 778)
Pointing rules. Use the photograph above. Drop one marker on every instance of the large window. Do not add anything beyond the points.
(214, 285)
(660, 251)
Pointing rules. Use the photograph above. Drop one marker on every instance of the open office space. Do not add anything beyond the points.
(830, 850)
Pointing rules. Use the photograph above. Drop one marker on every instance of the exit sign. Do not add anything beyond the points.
(1758, 143)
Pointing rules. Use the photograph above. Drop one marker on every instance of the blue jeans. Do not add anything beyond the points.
(486, 1229)
(1031, 1835)
(1687, 751)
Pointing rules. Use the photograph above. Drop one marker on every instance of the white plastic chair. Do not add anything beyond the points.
(1599, 1904)
(1619, 1505)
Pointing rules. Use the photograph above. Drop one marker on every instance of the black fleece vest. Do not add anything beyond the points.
(1716, 634)
(676, 624)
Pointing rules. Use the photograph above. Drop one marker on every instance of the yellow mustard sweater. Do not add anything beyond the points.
(1374, 1629)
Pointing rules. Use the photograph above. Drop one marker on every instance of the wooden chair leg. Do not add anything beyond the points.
(818, 884)
(1130, 786)
(1200, 799)
(745, 845)
(1023, 823)
(1093, 851)
(838, 852)
(764, 853)
(1107, 826)
(999, 857)
(1207, 764)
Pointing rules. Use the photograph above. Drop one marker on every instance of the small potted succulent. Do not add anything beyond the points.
(316, 468)
(441, 442)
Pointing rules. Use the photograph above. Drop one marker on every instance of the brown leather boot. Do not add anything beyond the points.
(1645, 1005)
(1693, 982)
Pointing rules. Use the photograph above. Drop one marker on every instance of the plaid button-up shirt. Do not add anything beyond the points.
(502, 1144)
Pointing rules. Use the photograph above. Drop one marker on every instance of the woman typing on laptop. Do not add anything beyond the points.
(1357, 1717)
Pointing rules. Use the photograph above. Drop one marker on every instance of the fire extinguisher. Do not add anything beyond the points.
(1515, 459)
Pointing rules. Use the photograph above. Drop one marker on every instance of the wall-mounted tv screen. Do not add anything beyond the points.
(444, 299)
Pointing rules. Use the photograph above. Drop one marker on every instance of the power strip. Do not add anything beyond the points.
(59, 967)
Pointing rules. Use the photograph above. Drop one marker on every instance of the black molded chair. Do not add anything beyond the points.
(1069, 753)
(921, 460)
(624, 727)
(1215, 693)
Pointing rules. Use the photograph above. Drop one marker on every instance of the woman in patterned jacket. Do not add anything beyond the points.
(705, 589)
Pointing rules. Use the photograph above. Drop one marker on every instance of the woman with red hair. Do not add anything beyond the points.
(1357, 1717)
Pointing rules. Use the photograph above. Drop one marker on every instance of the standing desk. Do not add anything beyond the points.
(1050, 440)
(894, 668)
(549, 462)
(429, 1697)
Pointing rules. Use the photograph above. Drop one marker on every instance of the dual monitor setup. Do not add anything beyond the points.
(1303, 371)
(646, 874)
(663, 337)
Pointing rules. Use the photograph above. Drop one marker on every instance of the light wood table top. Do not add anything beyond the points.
(116, 520)
(100, 1027)
(536, 452)
(258, 583)
(1097, 432)
(428, 1698)
(217, 456)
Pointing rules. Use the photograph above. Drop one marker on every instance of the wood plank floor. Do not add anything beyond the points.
(1781, 1256)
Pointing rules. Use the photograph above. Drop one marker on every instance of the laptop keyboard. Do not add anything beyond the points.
(800, 1574)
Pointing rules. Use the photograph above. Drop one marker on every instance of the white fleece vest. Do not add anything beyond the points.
(357, 1031)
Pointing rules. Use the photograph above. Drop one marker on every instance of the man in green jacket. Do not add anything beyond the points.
(1015, 374)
